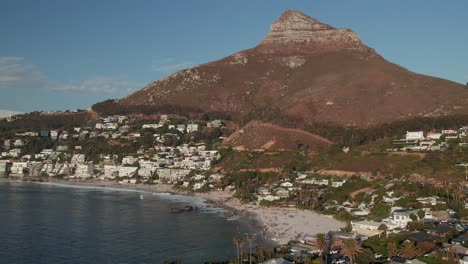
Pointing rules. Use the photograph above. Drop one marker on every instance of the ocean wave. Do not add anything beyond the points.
(177, 198)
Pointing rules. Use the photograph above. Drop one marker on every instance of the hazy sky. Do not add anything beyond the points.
(68, 54)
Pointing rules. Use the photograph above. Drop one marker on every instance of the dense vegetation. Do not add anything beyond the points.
(352, 136)
(37, 121)
(112, 107)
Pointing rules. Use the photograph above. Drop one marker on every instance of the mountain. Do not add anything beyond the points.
(305, 72)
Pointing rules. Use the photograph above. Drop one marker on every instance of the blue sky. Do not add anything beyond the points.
(66, 54)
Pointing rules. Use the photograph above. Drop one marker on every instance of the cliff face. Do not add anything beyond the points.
(296, 28)
(307, 71)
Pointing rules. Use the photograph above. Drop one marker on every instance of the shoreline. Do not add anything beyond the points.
(272, 226)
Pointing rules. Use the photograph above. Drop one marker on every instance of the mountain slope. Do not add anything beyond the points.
(262, 136)
(303, 72)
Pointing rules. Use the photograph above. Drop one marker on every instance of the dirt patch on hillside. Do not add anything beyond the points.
(264, 136)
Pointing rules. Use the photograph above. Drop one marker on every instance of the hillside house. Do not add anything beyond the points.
(402, 217)
(54, 134)
(439, 230)
(151, 126)
(366, 228)
(434, 136)
(216, 124)
(337, 184)
(18, 143)
(181, 128)
(414, 135)
(192, 128)
(7, 143)
(463, 131)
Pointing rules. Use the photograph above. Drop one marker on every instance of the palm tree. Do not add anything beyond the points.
(236, 241)
(249, 239)
(392, 249)
(350, 249)
(322, 243)
(241, 246)
(409, 251)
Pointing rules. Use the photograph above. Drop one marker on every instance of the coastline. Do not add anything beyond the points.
(271, 225)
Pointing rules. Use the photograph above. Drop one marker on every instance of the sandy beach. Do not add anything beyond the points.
(279, 225)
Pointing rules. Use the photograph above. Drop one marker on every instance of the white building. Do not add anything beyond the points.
(192, 128)
(402, 218)
(7, 143)
(414, 135)
(366, 228)
(338, 183)
(78, 159)
(54, 134)
(181, 128)
(172, 175)
(127, 171)
(128, 160)
(14, 153)
(147, 168)
(434, 136)
(151, 126)
(18, 143)
(110, 126)
(84, 170)
(449, 132)
(463, 131)
(18, 167)
(111, 171)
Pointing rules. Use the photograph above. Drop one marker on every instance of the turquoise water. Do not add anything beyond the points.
(42, 223)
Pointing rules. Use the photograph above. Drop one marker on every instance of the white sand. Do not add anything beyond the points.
(281, 224)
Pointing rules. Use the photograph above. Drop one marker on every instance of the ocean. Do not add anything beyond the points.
(44, 223)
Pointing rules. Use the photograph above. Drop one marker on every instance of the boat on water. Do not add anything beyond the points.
(141, 196)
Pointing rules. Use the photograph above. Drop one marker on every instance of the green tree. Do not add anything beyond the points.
(383, 227)
(350, 249)
(413, 217)
(421, 214)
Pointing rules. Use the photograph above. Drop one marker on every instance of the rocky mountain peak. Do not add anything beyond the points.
(297, 21)
(296, 27)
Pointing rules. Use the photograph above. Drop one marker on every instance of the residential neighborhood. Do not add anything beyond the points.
(384, 216)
